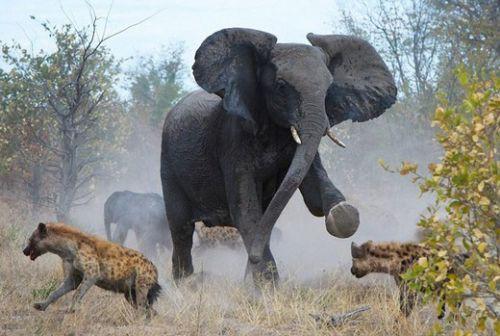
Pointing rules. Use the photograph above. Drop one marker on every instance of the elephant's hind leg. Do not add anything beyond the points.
(120, 234)
(179, 216)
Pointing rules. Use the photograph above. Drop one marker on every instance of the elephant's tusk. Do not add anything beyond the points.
(295, 135)
(334, 138)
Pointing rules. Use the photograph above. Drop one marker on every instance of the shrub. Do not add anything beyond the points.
(465, 218)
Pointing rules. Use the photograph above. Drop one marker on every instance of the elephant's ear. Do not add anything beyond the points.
(362, 87)
(227, 63)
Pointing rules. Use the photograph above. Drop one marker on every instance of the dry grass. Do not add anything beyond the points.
(202, 306)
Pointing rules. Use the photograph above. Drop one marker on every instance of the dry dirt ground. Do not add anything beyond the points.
(205, 305)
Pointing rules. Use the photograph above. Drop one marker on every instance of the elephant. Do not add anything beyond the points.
(142, 213)
(236, 151)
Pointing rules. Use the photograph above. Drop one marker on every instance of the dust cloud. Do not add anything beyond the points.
(389, 204)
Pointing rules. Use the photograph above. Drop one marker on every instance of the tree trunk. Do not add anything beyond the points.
(68, 183)
(35, 188)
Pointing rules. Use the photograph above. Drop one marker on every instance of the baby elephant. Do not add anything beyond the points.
(142, 213)
(89, 260)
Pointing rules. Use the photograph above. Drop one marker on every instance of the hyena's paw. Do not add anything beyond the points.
(150, 312)
(40, 306)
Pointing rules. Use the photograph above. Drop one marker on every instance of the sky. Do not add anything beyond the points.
(175, 21)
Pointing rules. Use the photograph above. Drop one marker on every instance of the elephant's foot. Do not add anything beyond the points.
(342, 220)
(263, 273)
(179, 273)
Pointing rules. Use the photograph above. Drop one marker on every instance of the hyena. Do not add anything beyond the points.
(212, 236)
(391, 258)
(89, 260)
(218, 235)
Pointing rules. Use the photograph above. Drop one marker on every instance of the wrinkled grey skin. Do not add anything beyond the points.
(142, 213)
(228, 155)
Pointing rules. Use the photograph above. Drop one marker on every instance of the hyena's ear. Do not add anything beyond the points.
(42, 229)
(357, 251)
(368, 244)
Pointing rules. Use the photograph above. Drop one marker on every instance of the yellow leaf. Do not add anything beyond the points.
(422, 261)
(478, 127)
(489, 119)
(484, 201)
(482, 247)
(480, 186)
(492, 285)
(442, 253)
(477, 233)
(477, 96)
(411, 167)
(440, 277)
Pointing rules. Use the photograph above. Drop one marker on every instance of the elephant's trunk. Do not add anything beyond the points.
(310, 130)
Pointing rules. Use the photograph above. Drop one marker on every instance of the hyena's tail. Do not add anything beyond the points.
(153, 293)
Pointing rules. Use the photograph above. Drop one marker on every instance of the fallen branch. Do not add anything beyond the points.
(339, 319)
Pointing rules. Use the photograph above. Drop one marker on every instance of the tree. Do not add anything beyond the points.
(404, 32)
(424, 41)
(468, 34)
(464, 222)
(155, 85)
(62, 113)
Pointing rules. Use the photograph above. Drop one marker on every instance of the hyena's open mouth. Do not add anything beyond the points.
(31, 252)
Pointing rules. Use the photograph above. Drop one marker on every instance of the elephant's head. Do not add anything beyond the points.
(303, 88)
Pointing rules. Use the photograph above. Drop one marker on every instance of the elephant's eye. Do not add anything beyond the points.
(280, 83)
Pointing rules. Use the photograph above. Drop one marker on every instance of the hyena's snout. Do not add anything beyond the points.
(357, 272)
(26, 250)
(31, 251)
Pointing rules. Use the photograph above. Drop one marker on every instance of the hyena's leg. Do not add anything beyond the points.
(141, 290)
(407, 299)
(442, 308)
(81, 291)
(130, 296)
(72, 280)
(91, 273)
(143, 283)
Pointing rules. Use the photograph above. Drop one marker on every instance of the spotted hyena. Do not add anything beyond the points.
(89, 260)
(218, 236)
(212, 236)
(391, 258)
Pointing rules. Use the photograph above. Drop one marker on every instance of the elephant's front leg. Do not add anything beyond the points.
(322, 198)
(243, 195)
